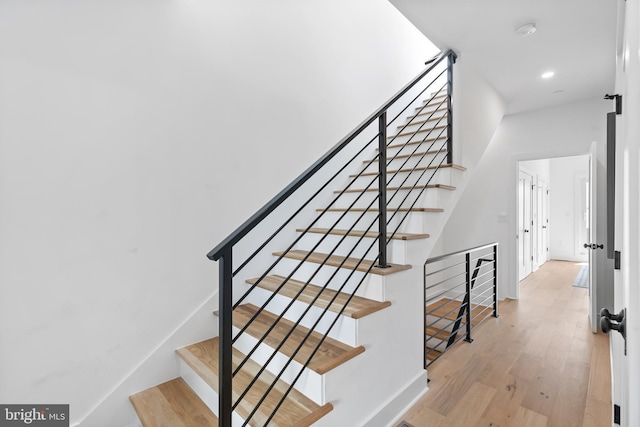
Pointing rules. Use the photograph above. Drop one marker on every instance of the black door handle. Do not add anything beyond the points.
(593, 246)
(608, 322)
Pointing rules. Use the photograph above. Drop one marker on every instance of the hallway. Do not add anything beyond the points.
(536, 365)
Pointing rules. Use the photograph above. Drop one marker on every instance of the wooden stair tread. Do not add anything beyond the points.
(349, 263)
(359, 233)
(356, 308)
(391, 209)
(360, 190)
(426, 141)
(172, 404)
(296, 410)
(421, 168)
(442, 307)
(432, 354)
(435, 332)
(331, 353)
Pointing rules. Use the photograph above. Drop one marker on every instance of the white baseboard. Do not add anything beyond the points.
(396, 406)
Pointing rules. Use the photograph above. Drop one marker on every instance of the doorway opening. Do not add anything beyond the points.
(553, 212)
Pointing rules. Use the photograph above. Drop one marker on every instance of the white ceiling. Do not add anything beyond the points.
(575, 38)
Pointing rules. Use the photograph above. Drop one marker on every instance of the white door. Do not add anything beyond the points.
(542, 226)
(626, 364)
(525, 225)
(594, 310)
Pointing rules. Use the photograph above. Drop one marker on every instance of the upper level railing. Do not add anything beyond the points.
(361, 217)
(460, 292)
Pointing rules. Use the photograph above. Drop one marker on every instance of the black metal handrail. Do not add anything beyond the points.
(217, 252)
(377, 221)
(445, 294)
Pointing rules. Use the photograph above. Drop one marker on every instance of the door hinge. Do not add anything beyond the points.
(616, 260)
(531, 257)
(618, 99)
(616, 414)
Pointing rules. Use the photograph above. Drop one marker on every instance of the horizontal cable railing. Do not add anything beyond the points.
(380, 176)
(460, 293)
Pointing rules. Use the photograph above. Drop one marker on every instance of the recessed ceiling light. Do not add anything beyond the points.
(547, 75)
(526, 29)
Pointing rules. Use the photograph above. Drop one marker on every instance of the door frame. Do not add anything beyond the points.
(526, 224)
(512, 287)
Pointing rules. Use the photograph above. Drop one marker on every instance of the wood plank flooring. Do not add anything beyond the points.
(537, 365)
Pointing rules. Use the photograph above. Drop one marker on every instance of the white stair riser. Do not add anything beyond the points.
(372, 286)
(344, 330)
(429, 114)
(418, 158)
(418, 197)
(416, 222)
(310, 383)
(444, 176)
(353, 246)
(207, 394)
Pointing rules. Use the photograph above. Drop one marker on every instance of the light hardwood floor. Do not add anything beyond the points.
(536, 365)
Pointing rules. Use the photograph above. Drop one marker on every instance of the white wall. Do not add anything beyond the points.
(538, 168)
(135, 135)
(565, 218)
(486, 211)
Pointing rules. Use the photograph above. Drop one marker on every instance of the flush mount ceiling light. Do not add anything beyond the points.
(547, 75)
(526, 29)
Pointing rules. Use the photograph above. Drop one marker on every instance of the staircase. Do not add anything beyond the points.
(298, 312)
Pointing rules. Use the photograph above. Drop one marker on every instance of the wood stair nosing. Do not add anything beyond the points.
(421, 168)
(359, 233)
(296, 410)
(357, 307)
(390, 209)
(290, 338)
(432, 186)
(172, 403)
(342, 262)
